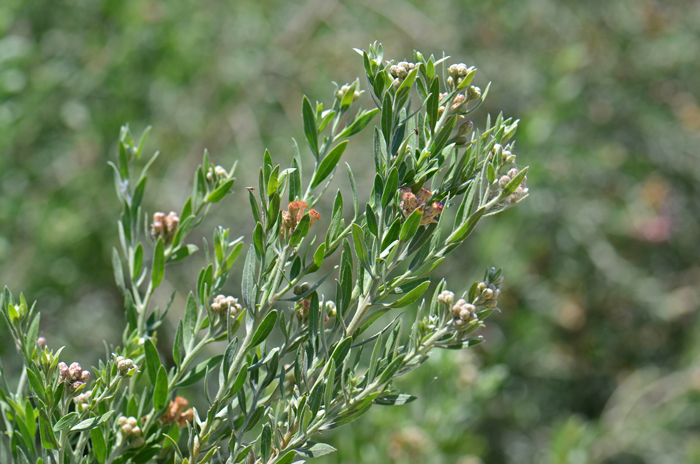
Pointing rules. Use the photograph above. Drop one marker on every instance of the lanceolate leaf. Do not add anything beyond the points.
(310, 128)
(160, 395)
(158, 263)
(248, 284)
(265, 328)
(328, 164)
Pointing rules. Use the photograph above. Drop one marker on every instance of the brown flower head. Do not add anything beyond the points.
(176, 412)
(411, 202)
(294, 214)
(313, 216)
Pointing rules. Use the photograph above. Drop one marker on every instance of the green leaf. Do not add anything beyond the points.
(160, 395)
(467, 227)
(153, 363)
(182, 252)
(118, 271)
(48, 439)
(138, 260)
(391, 186)
(264, 329)
(353, 187)
(158, 263)
(92, 422)
(411, 296)
(310, 129)
(123, 162)
(395, 399)
(248, 287)
(335, 226)
(328, 164)
(379, 150)
(330, 384)
(301, 230)
(254, 206)
(233, 256)
(387, 116)
(99, 446)
(341, 350)
(360, 122)
(190, 320)
(273, 181)
(240, 380)
(28, 435)
(66, 422)
(259, 240)
(32, 334)
(138, 192)
(265, 442)
(199, 371)
(407, 82)
(220, 192)
(29, 418)
(391, 369)
(318, 255)
(178, 346)
(315, 451)
(295, 180)
(371, 220)
(358, 237)
(287, 458)
(514, 183)
(410, 226)
(36, 384)
(255, 417)
(229, 356)
(458, 345)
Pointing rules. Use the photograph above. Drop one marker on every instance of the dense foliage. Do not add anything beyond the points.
(603, 269)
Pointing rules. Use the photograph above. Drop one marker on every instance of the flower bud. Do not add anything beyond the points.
(473, 93)
(465, 128)
(331, 309)
(41, 342)
(138, 442)
(446, 297)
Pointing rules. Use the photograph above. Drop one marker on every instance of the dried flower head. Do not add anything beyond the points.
(176, 412)
(294, 214)
(411, 202)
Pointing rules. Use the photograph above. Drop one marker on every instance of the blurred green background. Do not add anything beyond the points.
(595, 356)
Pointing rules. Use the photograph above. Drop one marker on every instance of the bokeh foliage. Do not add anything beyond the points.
(594, 356)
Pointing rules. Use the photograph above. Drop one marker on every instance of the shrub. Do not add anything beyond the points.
(276, 392)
